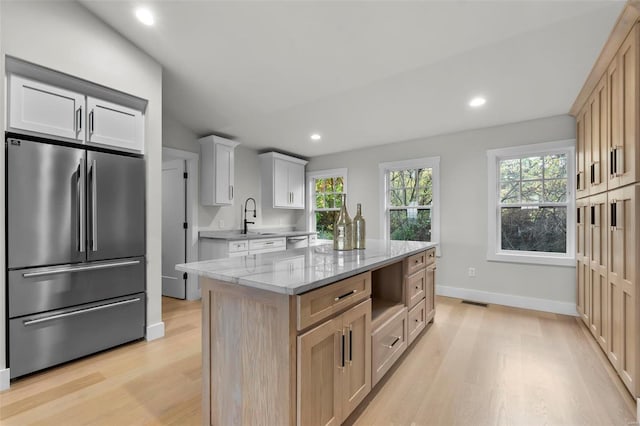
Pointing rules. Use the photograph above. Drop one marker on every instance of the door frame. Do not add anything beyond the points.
(191, 198)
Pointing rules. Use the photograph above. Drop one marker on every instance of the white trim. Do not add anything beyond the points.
(192, 200)
(638, 410)
(427, 162)
(494, 253)
(311, 191)
(544, 305)
(155, 331)
(5, 379)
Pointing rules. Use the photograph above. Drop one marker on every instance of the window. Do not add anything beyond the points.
(411, 199)
(531, 215)
(325, 200)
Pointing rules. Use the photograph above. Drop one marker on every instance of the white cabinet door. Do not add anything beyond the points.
(281, 193)
(41, 108)
(296, 185)
(115, 126)
(224, 174)
(217, 170)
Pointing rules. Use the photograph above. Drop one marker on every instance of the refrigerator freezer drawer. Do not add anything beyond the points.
(44, 340)
(44, 289)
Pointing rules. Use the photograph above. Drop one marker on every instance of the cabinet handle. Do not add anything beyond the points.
(91, 122)
(619, 161)
(79, 120)
(394, 342)
(578, 215)
(614, 219)
(350, 344)
(593, 215)
(231, 192)
(269, 243)
(342, 350)
(81, 206)
(81, 311)
(345, 295)
(578, 181)
(593, 173)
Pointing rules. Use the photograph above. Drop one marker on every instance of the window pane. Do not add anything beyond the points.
(542, 229)
(338, 184)
(555, 190)
(510, 170)
(532, 168)
(555, 166)
(396, 179)
(424, 178)
(411, 224)
(510, 192)
(425, 197)
(397, 197)
(532, 191)
(337, 201)
(330, 201)
(319, 185)
(328, 185)
(320, 203)
(324, 224)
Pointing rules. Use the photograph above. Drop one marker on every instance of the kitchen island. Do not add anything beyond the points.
(301, 336)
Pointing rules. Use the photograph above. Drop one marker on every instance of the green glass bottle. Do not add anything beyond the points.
(343, 229)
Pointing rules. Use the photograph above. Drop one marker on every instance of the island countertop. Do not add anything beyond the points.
(300, 270)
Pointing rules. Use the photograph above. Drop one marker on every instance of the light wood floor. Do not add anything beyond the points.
(473, 366)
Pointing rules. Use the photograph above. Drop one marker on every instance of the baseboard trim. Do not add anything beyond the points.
(533, 303)
(155, 331)
(4, 379)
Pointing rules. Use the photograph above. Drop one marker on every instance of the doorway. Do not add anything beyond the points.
(179, 222)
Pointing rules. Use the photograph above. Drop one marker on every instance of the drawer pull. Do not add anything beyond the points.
(350, 345)
(268, 243)
(79, 268)
(345, 295)
(82, 311)
(394, 343)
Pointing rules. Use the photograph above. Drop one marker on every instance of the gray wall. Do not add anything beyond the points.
(463, 211)
(64, 36)
(247, 184)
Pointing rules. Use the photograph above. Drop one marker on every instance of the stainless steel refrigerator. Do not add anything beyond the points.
(75, 251)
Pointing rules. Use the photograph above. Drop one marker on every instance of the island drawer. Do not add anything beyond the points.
(431, 256)
(416, 262)
(388, 342)
(417, 320)
(415, 286)
(317, 305)
(266, 245)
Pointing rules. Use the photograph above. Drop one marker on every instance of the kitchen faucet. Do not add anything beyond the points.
(244, 231)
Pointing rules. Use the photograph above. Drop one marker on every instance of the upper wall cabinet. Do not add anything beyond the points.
(282, 181)
(48, 110)
(113, 125)
(217, 171)
(41, 108)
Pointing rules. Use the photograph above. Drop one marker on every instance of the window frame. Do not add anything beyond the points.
(432, 163)
(311, 193)
(494, 250)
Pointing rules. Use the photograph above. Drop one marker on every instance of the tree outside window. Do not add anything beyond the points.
(410, 200)
(326, 198)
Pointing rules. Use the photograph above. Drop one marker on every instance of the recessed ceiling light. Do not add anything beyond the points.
(477, 102)
(144, 15)
(315, 137)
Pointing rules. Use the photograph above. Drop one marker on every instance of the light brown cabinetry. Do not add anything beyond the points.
(608, 221)
(334, 364)
(430, 293)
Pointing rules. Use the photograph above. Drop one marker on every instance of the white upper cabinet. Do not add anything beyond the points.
(114, 125)
(41, 108)
(217, 171)
(48, 110)
(282, 181)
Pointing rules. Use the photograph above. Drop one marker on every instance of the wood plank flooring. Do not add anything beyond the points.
(473, 366)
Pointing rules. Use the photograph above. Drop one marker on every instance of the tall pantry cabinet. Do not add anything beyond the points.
(608, 199)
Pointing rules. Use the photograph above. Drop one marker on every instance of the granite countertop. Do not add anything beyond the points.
(251, 235)
(299, 270)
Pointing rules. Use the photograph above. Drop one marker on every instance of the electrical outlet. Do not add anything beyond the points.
(221, 224)
(472, 272)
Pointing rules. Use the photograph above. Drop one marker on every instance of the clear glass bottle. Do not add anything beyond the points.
(359, 229)
(343, 229)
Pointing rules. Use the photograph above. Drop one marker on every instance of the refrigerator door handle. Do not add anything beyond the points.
(81, 311)
(80, 197)
(79, 268)
(94, 207)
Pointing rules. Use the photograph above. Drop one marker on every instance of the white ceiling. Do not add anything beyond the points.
(363, 73)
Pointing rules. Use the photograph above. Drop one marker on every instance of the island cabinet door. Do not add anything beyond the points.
(320, 371)
(357, 374)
